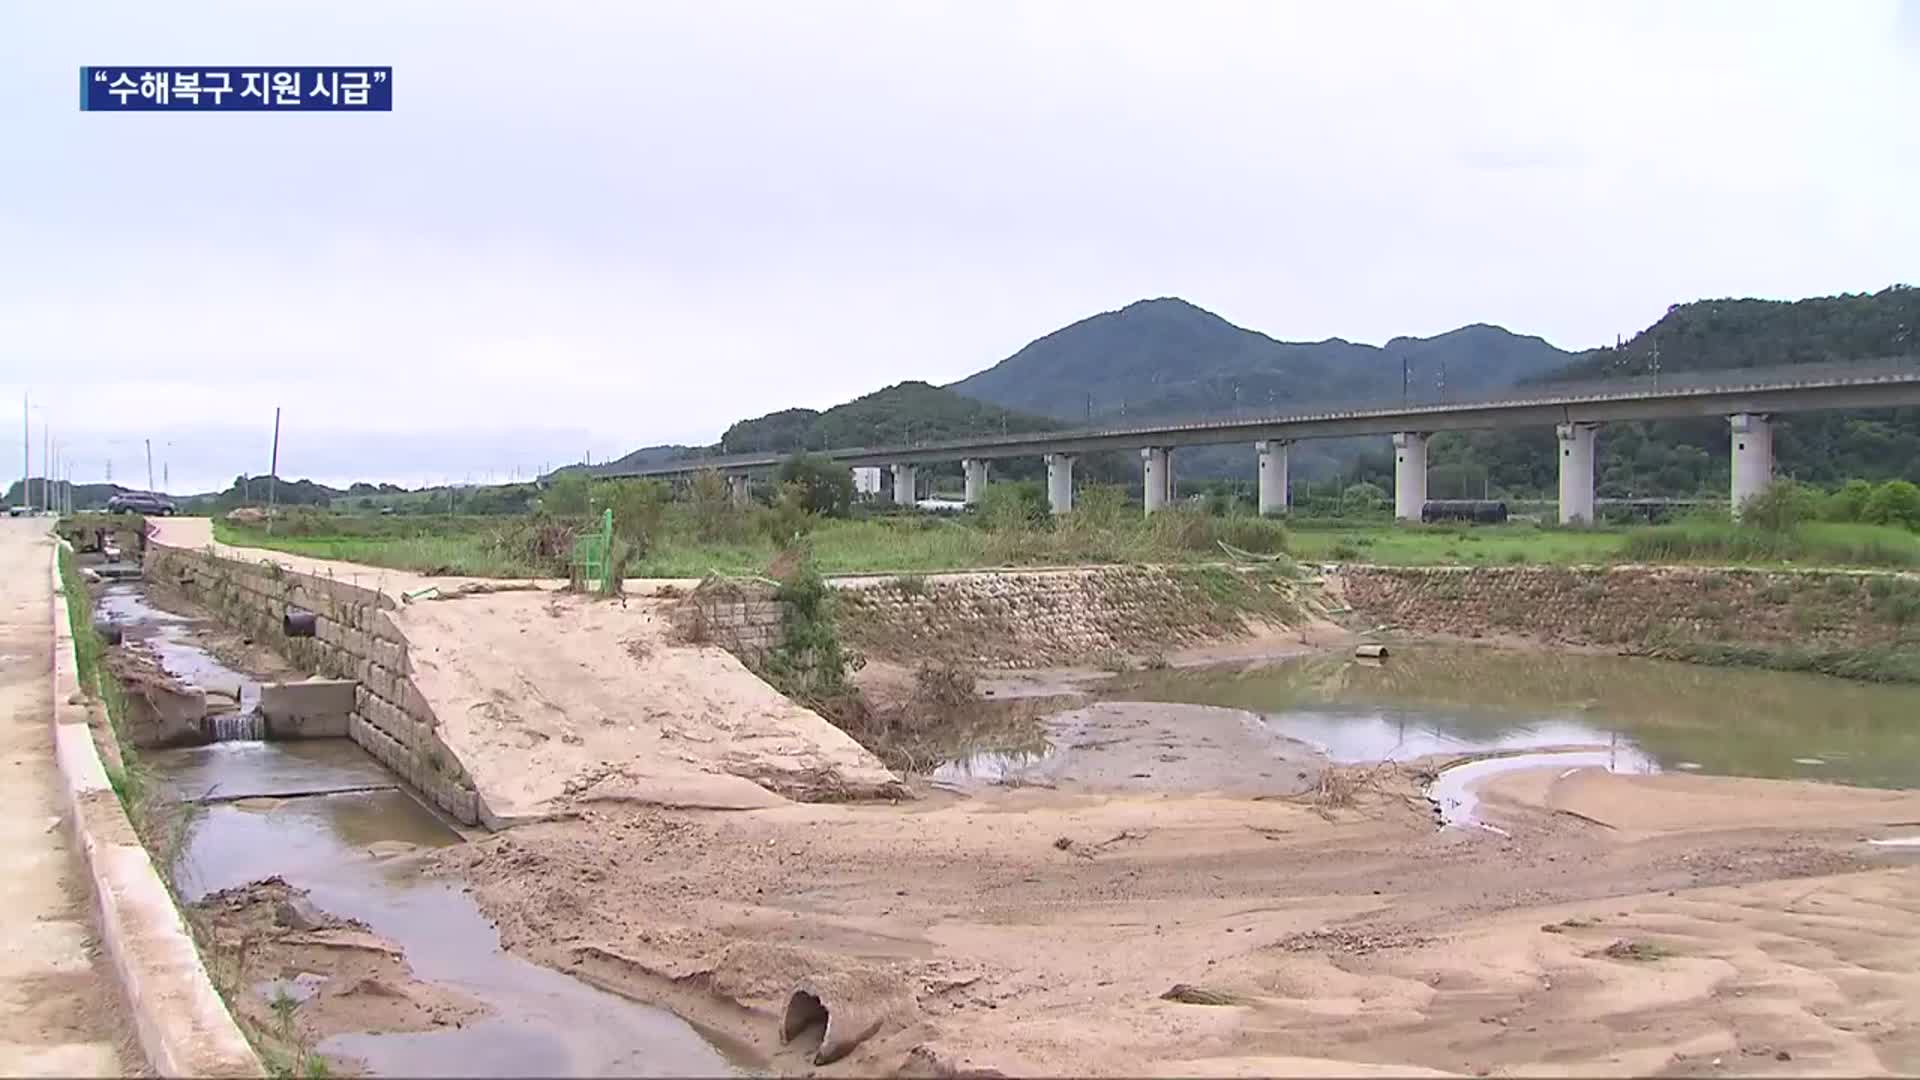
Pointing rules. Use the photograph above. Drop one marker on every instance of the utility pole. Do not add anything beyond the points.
(46, 474)
(273, 476)
(26, 451)
(149, 443)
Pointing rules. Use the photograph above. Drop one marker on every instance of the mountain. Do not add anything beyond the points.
(1715, 334)
(651, 455)
(1686, 457)
(85, 496)
(253, 491)
(908, 412)
(1168, 357)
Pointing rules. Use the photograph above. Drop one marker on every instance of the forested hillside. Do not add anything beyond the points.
(910, 412)
(1167, 357)
(1688, 457)
(85, 496)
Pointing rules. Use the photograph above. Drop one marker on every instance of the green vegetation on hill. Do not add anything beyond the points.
(1686, 457)
(85, 496)
(910, 412)
(1167, 356)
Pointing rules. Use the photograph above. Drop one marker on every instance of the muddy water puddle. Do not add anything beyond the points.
(328, 819)
(1273, 725)
(1649, 714)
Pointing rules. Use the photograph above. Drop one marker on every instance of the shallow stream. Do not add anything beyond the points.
(356, 853)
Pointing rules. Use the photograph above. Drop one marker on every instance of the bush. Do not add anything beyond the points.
(569, 493)
(1896, 502)
(1262, 536)
(711, 501)
(826, 489)
(1849, 503)
(1102, 506)
(788, 519)
(1782, 505)
(1017, 505)
(1362, 499)
(809, 663)
(639, 511)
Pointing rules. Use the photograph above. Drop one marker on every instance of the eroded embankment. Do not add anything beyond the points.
(1685, 612)
(1044, 618)
(499, 706)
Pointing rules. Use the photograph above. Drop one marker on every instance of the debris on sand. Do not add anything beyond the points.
(1634, 950)
(1188, 994)
(1355, 941)
(296, 974)
(1564, 925)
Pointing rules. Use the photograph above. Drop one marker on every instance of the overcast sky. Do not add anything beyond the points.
(591, 227)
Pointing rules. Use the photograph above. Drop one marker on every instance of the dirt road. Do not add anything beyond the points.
(59, 1005)
(1036, 931)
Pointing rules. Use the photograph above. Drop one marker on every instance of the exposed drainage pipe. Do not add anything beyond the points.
(845, 1008)
(297, 622)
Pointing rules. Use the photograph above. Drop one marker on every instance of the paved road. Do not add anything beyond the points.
(60, 1012)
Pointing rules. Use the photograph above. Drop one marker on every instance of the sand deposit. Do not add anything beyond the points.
(1031, 930)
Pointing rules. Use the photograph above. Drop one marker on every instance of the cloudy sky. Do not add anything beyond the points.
(590, 227)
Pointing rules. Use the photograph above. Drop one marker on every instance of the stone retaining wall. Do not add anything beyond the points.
(1040, 618)
(354, 638)
(740, 617)
(1634, 605)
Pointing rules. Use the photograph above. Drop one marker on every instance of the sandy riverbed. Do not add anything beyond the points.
(1036, 930)
(1624, 925)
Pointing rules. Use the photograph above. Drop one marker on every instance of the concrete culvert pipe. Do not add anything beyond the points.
(841, 1021)
(298, 623)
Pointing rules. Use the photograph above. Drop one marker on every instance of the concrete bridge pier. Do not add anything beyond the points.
(1752, 456)
(737, 487)
(1060, 483)
(1409, 474)
(906, 488)
(976, 470)
(1158, 470)
(1576, 473)
(1274, 497)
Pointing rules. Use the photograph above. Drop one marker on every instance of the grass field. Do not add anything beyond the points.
(1440, 545)
(513, 547)
(679, 542)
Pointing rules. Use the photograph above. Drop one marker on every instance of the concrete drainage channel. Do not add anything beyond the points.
(281, 797)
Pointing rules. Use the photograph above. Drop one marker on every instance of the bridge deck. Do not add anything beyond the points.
(1799, 388)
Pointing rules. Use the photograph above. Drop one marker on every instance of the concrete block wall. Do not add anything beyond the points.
(740, 617)
(354, 638)
(315, 709)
